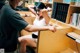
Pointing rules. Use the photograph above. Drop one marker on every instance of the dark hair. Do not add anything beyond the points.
(39, 6)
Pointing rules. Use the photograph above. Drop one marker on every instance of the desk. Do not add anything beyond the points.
(28, 19)
(56, 42)
(30, 5)
(26, 12)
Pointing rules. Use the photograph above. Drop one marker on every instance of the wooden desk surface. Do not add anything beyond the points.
(30, 5)
(30, 14)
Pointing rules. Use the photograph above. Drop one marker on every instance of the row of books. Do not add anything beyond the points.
(59, 11)
(75, 19)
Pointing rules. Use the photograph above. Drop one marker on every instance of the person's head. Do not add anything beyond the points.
(14, 3)
(39, 7)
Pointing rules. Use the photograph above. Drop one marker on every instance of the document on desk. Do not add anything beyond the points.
(74, 35)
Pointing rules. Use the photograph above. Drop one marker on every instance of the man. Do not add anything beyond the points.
(11, 24)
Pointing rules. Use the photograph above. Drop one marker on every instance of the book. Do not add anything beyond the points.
(78, 23)
(70, 20)
(74, 19)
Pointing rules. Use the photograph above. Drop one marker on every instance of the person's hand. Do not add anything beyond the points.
(52, 28)
(44, 12)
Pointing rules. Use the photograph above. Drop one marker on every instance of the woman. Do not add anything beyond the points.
(42, 19)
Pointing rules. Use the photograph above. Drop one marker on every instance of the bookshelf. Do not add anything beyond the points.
(73, 9)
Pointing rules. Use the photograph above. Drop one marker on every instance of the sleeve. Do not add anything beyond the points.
(17, 22)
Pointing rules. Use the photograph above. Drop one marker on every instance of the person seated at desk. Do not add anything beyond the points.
(11, 23)
(42, 19)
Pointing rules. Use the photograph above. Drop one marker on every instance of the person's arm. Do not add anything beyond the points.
(32, 10)
(45, 15)
(18, 23)
(36, 28)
